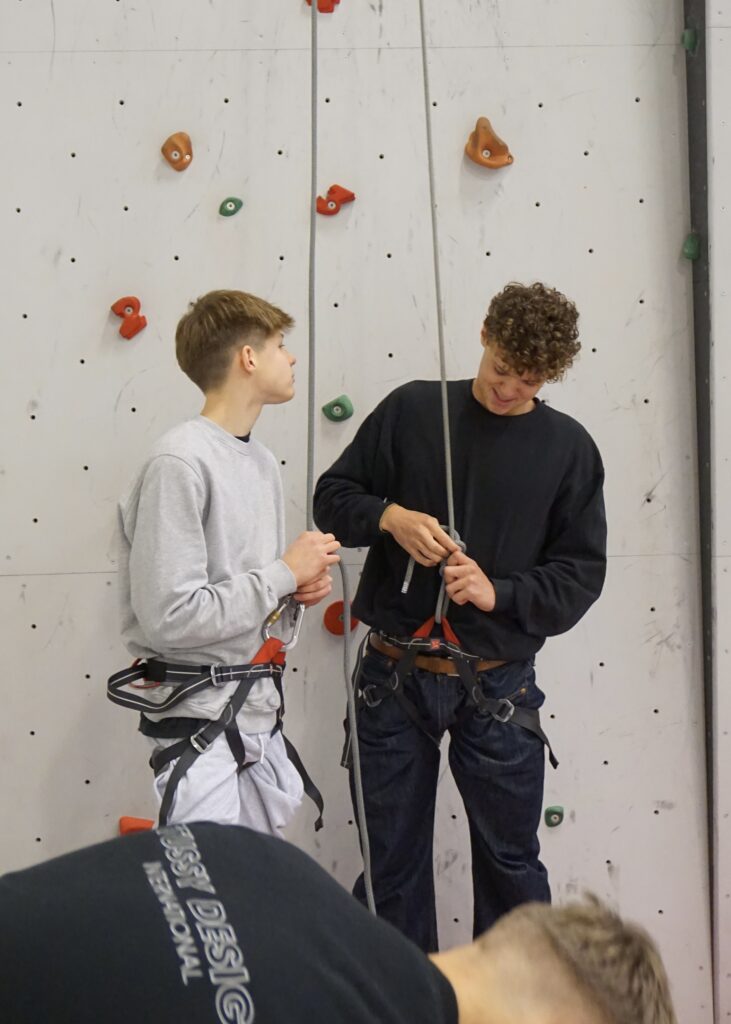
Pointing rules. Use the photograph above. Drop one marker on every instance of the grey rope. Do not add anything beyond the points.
(312, 282)
(442, 600)
(437, 279)
(347, 650)
(355, 745)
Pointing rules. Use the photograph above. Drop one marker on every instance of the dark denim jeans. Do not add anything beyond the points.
(498, 768)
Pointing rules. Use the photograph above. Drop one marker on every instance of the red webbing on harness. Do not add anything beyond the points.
(424, 632)
(271, 650)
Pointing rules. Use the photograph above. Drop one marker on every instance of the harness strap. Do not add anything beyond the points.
(501, 709)
(237, 748)
(198, 734)
(183, 681)
(189, 750)
(310, 788)
(396, 687)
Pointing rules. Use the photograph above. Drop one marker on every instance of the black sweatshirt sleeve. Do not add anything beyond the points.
(551, 598)
(350, 496)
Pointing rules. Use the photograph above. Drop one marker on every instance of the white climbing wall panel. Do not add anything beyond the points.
(719, 164)
(591, 100)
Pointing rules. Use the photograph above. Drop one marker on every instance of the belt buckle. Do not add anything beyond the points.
(506, 712)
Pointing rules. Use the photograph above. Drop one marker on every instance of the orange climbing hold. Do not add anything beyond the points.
(485, 148)
(178, 150)
(336, 197)
(132, 320)
(325, 6)
(334, 619)
(129, 825)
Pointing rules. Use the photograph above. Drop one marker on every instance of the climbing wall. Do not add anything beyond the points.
(719, 139)
(590, 100)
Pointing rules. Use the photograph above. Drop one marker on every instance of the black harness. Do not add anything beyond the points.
(195, 735)
(422, 642)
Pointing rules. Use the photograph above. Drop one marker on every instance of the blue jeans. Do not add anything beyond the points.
(498, 768)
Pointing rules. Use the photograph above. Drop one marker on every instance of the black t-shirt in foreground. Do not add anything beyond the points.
(198, 923)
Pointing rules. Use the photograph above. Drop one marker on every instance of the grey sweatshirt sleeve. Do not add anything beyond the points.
(176, 604)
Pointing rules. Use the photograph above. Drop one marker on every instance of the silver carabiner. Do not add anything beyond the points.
(276, 616)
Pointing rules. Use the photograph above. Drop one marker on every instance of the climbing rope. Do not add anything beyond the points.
(347, 650)
(311, 368)
(450, 528)
(437, 280)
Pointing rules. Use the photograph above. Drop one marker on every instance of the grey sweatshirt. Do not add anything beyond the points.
(201, 532)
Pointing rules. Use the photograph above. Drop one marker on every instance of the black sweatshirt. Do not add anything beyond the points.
(528, 505)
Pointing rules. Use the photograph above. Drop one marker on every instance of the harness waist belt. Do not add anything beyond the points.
(441, 666)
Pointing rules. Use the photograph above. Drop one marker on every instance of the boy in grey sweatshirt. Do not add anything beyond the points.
(202, 562)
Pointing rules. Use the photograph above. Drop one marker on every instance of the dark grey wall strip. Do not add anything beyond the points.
(694, 40)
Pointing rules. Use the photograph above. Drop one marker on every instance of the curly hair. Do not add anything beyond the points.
(535, 329)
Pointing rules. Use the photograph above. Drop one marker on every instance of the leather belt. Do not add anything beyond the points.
(440, 666)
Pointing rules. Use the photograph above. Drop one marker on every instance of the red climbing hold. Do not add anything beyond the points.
(132, 320)
(325, 6)
(336, 196)
(333, 619)
(129, 825)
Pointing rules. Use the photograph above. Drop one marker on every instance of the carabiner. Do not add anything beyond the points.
(276, 616)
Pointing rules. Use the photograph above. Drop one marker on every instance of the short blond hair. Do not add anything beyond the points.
(614, 963)
(218, 323)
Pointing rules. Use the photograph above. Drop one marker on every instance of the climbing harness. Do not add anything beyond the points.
(408, 654)
(195, 735)
(415, 652)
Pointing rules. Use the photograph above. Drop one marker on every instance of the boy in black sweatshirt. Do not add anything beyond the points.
(527, 485)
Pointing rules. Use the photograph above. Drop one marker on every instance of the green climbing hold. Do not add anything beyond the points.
(692, 247)
(553, 816)
(340, 408)
(230, 206)
(690, 40)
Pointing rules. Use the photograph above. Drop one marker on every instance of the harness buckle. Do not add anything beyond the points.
(215, 678)
(369, 699)
(506, 712)
(196, 743)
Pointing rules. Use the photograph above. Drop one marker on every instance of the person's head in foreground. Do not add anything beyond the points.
(530, 338)
(191, 924)
(575, 964)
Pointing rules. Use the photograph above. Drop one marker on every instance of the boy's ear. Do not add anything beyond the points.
(247, 358)
(483, 337)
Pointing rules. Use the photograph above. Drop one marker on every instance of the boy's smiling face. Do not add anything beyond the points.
(499, 388)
